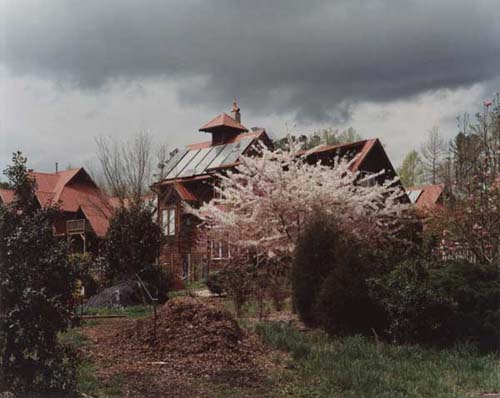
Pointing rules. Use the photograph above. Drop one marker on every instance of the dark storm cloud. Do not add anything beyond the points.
(312, 58)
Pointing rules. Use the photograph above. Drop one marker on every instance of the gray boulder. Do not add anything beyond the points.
(123, 294)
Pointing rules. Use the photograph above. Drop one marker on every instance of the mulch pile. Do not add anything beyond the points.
(195, 341)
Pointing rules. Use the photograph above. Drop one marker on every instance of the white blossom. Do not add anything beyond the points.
(264, 203)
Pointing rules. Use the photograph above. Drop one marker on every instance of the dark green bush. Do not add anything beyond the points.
(316, 255)
(416, 311)
(475, 292)
(215, 282)
(158, 281)
(329, 280)
(132, 241)
(36, 295)
(343, 305)
(440, 303)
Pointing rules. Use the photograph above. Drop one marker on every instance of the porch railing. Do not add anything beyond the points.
(75, 227)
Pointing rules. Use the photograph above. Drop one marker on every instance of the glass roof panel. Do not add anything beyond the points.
(219, 159)
(172, 162)
(205, 163)
(238, 149)
(183, 163)
(190, 169)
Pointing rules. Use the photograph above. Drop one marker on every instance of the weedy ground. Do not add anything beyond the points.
(308, 363)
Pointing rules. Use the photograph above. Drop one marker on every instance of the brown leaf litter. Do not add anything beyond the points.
(198, 343)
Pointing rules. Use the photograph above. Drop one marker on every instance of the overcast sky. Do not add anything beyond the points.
(393, 69)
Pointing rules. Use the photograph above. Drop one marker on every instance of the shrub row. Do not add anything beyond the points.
(417, 300)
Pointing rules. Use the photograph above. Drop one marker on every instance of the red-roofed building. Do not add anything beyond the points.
(85, 209)
(191, 172)
(426, 197)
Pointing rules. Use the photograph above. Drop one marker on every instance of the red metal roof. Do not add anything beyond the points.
(6, 195)
(72, 190)
(429, 197)
(362, 148)
(222, 121)
(205, 144)
(98, 218)
(184, 193)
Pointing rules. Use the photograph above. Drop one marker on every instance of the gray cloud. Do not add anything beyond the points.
(314, 59)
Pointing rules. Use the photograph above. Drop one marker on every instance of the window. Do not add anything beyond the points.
(168, 221)
(219, 250)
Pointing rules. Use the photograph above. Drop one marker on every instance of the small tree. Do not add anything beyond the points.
(411, 171)
(36, 288)
(132, 246)
(433, 151)
(132, 241)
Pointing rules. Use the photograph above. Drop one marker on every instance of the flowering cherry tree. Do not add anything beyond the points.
(264, 203)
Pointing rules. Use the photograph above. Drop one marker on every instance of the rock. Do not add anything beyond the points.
(121, 295)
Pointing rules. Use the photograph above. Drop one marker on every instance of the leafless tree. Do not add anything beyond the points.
(137, 161)
(162, 156)
(127, 168)
(94, 170)
(433, 151)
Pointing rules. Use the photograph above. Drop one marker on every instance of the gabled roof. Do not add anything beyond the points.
(72, 190)
(361, 149)
(425, 196)
(223, 121)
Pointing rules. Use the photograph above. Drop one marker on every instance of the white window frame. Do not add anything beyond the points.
(220, 250)
(168, 221)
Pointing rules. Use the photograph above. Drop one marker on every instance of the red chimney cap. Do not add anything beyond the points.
(223, 121)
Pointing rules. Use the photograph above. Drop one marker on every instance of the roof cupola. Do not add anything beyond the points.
(224, 127)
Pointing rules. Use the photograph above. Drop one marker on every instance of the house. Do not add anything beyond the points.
(426, 197)
(85, 210)
(191, 175)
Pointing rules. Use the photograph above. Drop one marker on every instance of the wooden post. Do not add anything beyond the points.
(84, 239)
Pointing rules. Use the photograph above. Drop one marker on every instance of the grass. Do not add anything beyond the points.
(86, 373)
(135, 311)
(196, 285)
(344, 367)
(87, 381)
(190, 287)
(359, 367)
(251, 308)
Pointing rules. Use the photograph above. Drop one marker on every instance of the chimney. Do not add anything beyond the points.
(236, 112)
(57, 167)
